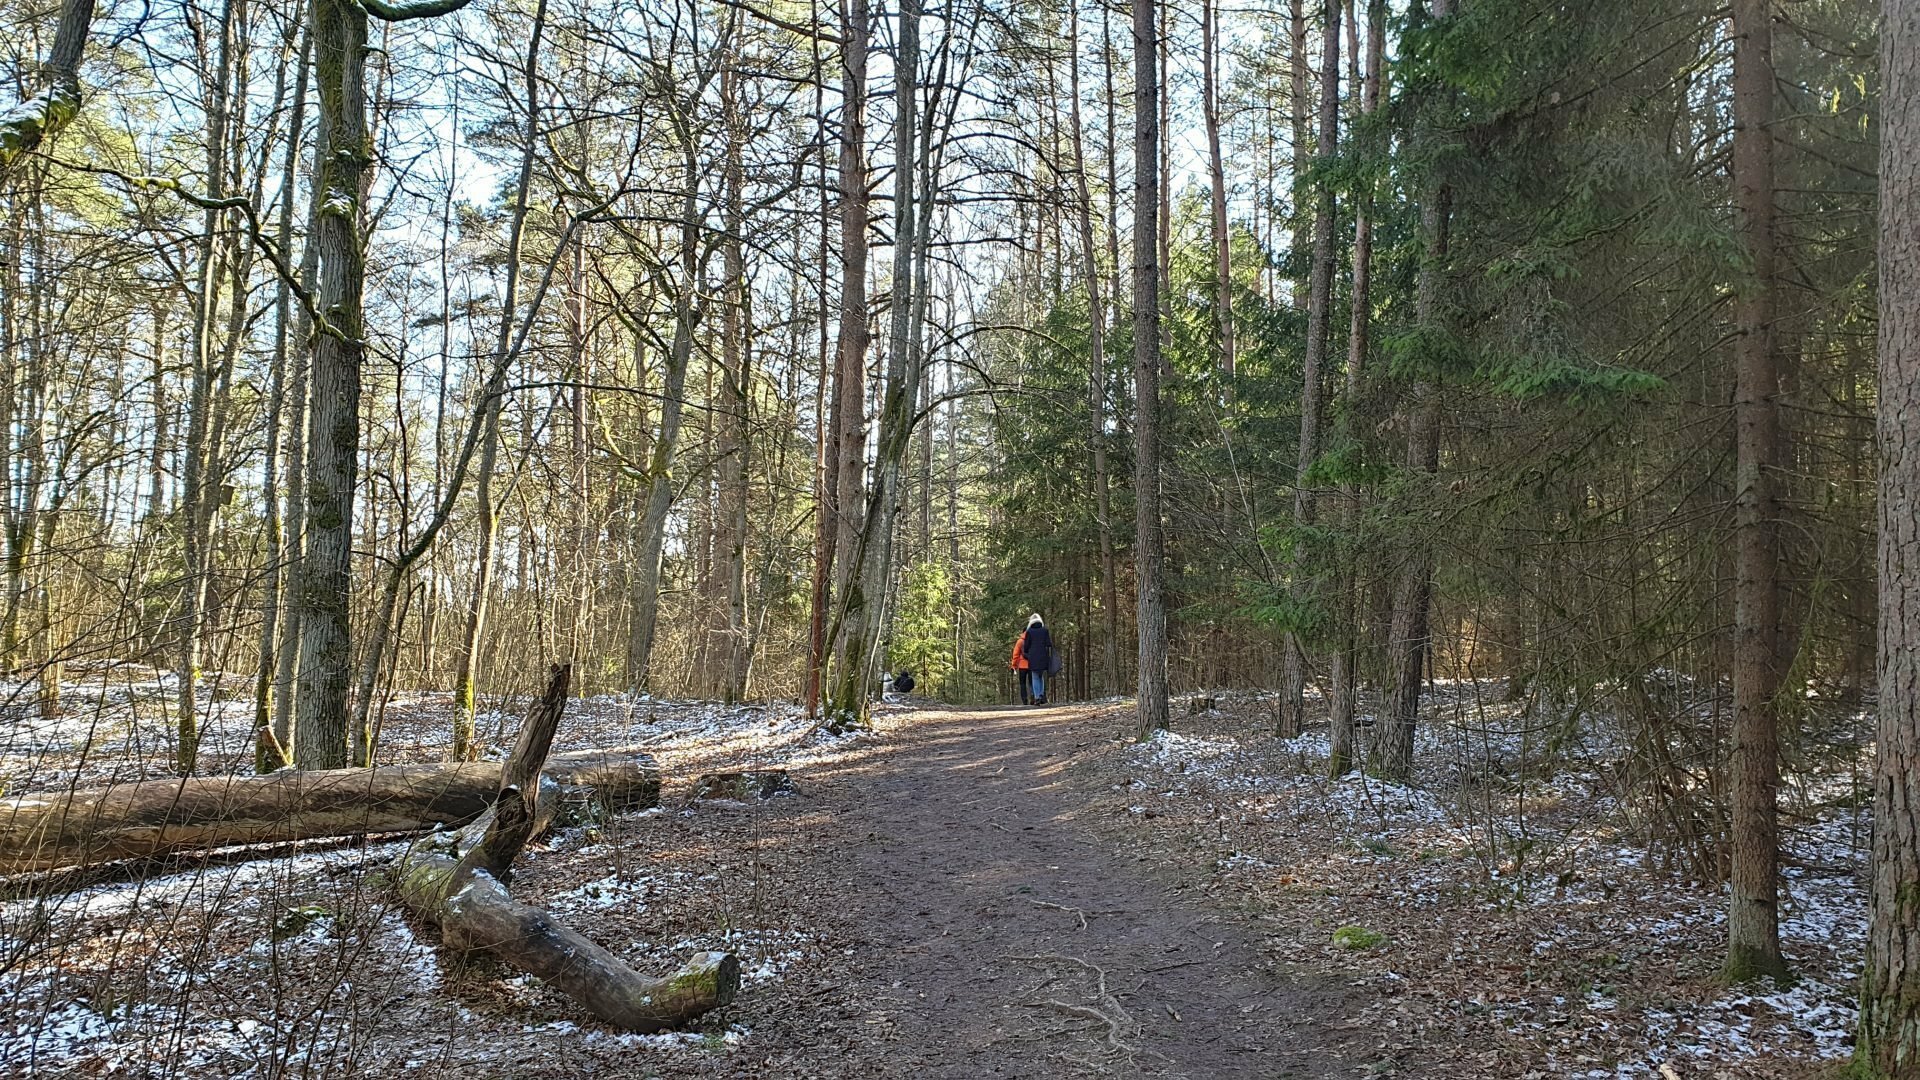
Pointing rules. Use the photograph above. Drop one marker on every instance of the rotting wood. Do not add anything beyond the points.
(480, 917)
(468, 900)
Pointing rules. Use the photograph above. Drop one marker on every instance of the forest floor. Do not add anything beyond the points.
(958, 893)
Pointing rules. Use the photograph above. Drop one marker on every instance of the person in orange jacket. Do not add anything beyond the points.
(1019, 666)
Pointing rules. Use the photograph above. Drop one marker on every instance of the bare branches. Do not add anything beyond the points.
(256, 234)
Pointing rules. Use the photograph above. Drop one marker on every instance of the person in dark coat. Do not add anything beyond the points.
(1037, 648)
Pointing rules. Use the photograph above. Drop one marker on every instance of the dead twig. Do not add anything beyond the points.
(1115, 1027)
(1109, 1010)
(1078, 913)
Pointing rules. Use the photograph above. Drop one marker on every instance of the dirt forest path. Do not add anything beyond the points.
(997, 936)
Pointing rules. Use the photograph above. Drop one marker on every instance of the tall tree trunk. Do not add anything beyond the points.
(863, 605)
(1293, 669)
(1340, 705)
(293, 549)
(1301, 108)
(826, 462)
(579, 552)
(1407, 636)
(1753, 917)
(157, 388)
(1888, 1042)
(19, 307)
(26, 376)
(1110, 100)
(729, 661)
(923, 478)
(1163, 193)
(1217, 178)
(325, 576)
(850, 380)
(1151, 699)
(201, 474)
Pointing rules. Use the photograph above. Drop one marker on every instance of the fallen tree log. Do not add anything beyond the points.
(480, 916)
(468, 900)
(164, 817)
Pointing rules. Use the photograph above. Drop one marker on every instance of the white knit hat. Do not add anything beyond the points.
(1034, 618)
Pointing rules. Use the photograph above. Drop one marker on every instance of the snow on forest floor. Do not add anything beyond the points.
(300, 964)
(1509, 908)
(1507, 915)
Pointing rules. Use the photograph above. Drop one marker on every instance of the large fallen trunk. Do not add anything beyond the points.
(163, 817)
(467, 899)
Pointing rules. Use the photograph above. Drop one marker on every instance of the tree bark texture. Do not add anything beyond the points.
(862, 605)
(1340, 698)
(846, 458)
(324, 581)
(1096, 377)
(1301, 121)
(202, 471)
(660, 480)
(727, 660)
(271, 754)
(1887, 1045)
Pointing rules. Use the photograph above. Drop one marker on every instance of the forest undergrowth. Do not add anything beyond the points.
(296, 959)
(1522, 906)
